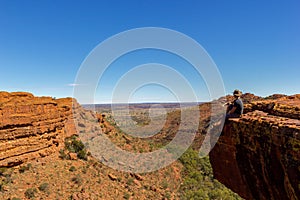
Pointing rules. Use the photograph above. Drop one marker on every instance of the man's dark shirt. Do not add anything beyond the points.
(238, 103)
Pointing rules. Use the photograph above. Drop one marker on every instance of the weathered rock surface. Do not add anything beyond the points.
(258, 155)
(32, 127)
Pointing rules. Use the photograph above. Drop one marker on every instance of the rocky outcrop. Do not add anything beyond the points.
(32, 127)
(258, 155)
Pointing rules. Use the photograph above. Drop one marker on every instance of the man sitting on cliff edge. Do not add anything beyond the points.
(235, 109)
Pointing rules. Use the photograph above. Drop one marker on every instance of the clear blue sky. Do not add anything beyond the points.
(255, 44)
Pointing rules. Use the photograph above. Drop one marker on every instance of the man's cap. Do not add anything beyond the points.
(237, 93)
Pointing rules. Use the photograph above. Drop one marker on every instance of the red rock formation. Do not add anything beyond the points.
(258, 155)
(31, 126)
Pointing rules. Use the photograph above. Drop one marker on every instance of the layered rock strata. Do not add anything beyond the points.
(258, 155)
(32, 127)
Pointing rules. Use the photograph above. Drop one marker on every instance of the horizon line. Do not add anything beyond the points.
(163, 102)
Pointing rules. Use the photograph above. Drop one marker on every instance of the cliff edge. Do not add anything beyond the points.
(32, 127)
(258, 155)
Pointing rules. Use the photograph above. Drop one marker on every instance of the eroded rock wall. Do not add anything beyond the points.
(31, 126)
(258, 155)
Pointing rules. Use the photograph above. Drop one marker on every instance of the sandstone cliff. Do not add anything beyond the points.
(32, 138)
(32, 127)
(258, 155)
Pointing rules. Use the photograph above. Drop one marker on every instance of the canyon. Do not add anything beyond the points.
(256, 156)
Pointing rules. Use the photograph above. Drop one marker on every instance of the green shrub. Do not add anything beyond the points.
(72, 169)
(25, 168)
(74, 145)
(44, 187)
(63, 155)
(7, 179)
(126, 195)
(30, 193)
(198, 181)
(84, 169)
(82, 154)
(130, 181)
(2, 170)
(77, 179)
(168, 195)
(164, 184)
